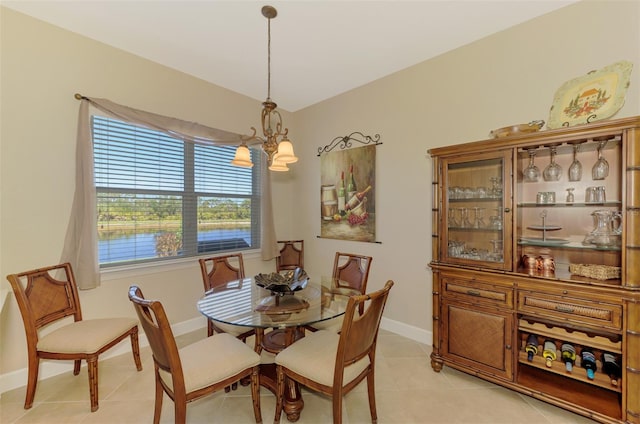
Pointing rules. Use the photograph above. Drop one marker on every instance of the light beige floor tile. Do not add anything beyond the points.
(11, 411)
(56, 412)
(407, 391)
(460, 380)
(121, 412)
(554, 414)
(414, 373)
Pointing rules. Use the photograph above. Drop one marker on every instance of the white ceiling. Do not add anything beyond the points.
(319, 48)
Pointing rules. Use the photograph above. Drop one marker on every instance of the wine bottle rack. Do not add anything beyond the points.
(571, 336)
(578, 373)
(576, 338)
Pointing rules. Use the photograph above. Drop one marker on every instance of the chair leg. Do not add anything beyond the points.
(257, 345)
(92, 366)
(76, 366)
(180, 408)
(209, 329)
(337, 405)
(279, 393)
(371, 388)
(159, 394)
(135, 348)
(32, 380)
(255, 393)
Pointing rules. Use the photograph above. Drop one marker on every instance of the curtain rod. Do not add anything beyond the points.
(80, 97)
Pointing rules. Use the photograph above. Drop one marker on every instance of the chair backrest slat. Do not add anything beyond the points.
(219, 270)
(360, 332)
(353, 269)
(157, 328)
(291, 256)
(43, 298)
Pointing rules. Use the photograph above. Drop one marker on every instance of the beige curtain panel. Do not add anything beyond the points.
(81, 241)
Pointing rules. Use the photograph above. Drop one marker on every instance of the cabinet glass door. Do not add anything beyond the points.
(476, 210)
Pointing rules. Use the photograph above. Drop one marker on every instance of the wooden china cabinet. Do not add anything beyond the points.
(536, 265)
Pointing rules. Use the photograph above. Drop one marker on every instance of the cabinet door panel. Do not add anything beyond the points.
(478, 338)
(475, 210)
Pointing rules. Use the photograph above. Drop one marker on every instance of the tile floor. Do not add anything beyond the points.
(408, 391)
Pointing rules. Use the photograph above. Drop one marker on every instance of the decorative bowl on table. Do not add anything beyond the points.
(285, 283)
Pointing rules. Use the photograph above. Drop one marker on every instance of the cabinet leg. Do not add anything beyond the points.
(436, 363)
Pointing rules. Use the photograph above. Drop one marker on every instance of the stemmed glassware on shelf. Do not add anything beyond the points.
(496, 190)
(600, 169)
(575, 170)
(531, 173)
(553, 171)
(478, 221)
(464, 218)
(570, 197)
(452, 218)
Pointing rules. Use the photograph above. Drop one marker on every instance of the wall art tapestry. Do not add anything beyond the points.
(347, 194)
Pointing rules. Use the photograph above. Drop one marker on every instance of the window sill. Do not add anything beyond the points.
(129, 271)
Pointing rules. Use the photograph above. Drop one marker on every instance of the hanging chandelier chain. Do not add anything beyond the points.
(269, 59)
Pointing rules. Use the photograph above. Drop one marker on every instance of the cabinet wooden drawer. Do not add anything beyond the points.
(477, 292)
(594, 313)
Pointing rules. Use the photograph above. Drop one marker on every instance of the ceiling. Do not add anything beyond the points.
(319, 48)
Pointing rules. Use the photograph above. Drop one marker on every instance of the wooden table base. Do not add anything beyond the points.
(274, 342)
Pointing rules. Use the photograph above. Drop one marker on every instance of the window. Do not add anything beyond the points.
(159, 197)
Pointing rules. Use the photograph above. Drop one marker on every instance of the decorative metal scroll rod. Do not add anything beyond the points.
(346, 141)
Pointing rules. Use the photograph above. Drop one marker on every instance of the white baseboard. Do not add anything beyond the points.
(50, 368)
(408, 331)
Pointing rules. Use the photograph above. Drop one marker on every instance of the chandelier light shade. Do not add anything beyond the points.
(275, 144)
(242, 157)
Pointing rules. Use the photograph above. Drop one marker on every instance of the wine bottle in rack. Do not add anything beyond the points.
(549, 352)
(568, 356)
(532, 347)
(588, 362)
(611, 367)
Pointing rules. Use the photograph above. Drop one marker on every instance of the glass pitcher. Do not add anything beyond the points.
(606, 233)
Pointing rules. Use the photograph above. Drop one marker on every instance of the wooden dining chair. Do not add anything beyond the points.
(216, 272)
(50, 295)
(291, 255)
(349, 271)
(332, 363)
(196, 370)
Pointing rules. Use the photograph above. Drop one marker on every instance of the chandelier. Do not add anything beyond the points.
(279, 153)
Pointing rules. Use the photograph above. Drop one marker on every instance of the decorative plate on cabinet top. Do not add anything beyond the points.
(532, 126)
(592, 97)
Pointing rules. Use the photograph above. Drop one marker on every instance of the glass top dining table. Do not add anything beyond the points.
(244, 303)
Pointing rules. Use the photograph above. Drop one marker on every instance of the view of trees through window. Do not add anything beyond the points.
(158, 197)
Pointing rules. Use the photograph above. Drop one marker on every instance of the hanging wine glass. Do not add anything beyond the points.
(553, 171)
(600, 169)
(575, 170)
(531, 173)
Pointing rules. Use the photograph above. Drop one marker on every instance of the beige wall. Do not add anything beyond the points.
(460, 96)
(508, 78)
(42, 67)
